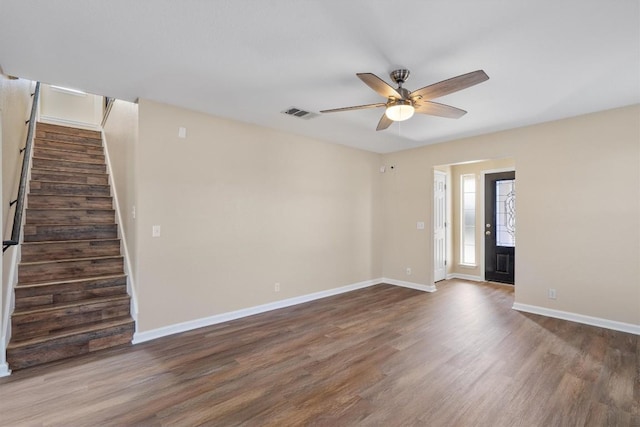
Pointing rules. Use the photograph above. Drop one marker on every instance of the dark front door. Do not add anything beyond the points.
(500, 227)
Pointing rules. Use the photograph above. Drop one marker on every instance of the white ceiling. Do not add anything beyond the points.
(249, 59)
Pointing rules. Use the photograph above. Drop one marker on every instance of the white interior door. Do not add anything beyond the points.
(439, 226)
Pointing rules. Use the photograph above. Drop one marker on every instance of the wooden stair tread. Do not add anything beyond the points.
(58, 141)
(71, 209)
(46, 242)
(62, 150)
(71, 195)
(69, 183)
(68, 130)
(62, 282)
(41, 169)
(60, 261)
(70, 331)
(67, 304)
(80, 162)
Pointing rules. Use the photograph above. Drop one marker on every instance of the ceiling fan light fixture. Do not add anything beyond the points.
(400, 111)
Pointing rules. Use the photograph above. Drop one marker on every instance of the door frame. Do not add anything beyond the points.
(482, 205)
(446, 223)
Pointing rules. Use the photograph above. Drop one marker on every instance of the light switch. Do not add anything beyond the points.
(420, 225)
(155, 231)
(182, 132)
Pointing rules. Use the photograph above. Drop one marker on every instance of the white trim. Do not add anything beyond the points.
(72, 123)
(464, 277)
(140, 337)
(411, 285)
(579, 318)
(131, 286)
(68, 90)
(4, 370)
(433, 222)
(9, 303)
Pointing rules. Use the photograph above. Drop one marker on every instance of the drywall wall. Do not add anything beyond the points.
(121, 139)
(242, 207)
(70, 108)
(578, 210)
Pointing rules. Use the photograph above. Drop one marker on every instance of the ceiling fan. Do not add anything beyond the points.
(401, 104)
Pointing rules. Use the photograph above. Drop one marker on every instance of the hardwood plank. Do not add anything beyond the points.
(40, 233)
(67, 166)
(86, 133)
(42, 174)
(69, 201)
(377, 356)
(68, 146)
(49, 251)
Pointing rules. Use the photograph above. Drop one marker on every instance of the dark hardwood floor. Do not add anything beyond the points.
(381, 356)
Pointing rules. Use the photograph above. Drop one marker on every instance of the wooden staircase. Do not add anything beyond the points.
(71, 297)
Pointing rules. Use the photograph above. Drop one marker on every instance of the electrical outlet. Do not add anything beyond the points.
(551, 293)
(155, 231)
(408, 271)
(276, 288)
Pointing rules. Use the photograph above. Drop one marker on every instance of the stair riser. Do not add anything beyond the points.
(43, 233)
(76, 345)
(67, 250)
(66, 130)
(36, 201)
(55, 297)
(46, 153)
(75, 216)
(42, 324)
(86, 285)
(70, 177)
(69, 270)
(65, 166)
(68, 138)
(66, 146)
(68, 189)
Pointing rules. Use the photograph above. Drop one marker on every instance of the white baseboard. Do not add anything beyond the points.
(579, 318)
(4, 370)
(72, 123)
(464, 277)
(417, 286)
(140, 337)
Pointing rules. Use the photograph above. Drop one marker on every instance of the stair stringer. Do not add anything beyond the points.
(131, 285)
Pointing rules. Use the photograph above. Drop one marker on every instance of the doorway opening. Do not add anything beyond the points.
(460, 221)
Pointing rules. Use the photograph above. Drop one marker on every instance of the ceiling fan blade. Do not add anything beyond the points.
(384, 122)
(356, 107)
(451, 85)
(379, 85)
(441, 110)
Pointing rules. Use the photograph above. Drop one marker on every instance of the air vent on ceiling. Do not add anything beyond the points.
(297, 112)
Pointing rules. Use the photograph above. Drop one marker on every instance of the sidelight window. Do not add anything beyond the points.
(468, 223)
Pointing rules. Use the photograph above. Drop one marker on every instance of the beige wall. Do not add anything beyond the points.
(578, 210)
(70, 109)
(15, 108)
(475, 168)
(242, 207)
(121, 136)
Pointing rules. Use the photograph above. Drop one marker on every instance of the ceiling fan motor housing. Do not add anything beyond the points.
(399, 76)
